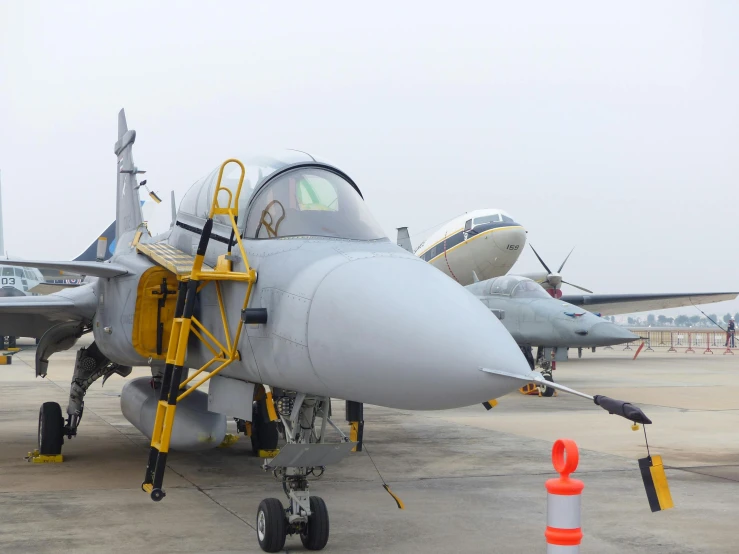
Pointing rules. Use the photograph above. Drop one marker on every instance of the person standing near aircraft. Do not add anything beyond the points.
(730, 333)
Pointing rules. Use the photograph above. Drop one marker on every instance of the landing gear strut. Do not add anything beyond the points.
(91, 364)
(547, 367)
(303, 424)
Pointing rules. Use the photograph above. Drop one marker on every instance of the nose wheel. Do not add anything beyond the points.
(271, 525)
(314, 535)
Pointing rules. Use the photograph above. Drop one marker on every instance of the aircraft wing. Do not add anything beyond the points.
(615, 304)
(93, 269)
(49, 288)
(32, 316)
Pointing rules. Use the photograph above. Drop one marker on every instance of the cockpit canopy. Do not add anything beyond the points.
(516, 287)
(310, 199)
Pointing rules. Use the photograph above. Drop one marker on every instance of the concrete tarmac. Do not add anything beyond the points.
(471, 480)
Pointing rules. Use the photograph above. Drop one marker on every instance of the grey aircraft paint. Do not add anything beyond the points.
(340, 309)
(534, 318)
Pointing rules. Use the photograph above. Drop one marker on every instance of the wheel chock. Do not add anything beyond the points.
(268, 453)
(228, 440)
(6, 359)
(530, 389)
(36, 458)
(14, 349)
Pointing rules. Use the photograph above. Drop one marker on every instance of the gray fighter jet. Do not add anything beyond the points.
(277, 286)
(535, 319)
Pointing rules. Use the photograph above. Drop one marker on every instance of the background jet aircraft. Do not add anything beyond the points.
(536, 319)
(483, 243)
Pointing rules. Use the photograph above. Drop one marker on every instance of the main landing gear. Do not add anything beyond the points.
(302, 422)
(90, 366)
(547, 367)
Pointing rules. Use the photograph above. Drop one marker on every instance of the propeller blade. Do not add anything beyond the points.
(578, 287)
(564, 262)
(542, 261)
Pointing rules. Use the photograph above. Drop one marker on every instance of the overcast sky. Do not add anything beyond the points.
(613, 129)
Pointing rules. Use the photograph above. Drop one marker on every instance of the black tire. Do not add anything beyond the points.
(264, 433)
(50, 429)
(271, 525)
(548, 391)
(314, 535)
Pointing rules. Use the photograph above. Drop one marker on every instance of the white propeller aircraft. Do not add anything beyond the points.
(475, 246)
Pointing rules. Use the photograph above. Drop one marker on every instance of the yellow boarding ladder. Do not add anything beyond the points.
(184, 323)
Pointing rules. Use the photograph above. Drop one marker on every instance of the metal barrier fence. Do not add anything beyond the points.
(685, 340)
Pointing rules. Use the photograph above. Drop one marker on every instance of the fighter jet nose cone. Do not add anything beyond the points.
(605, 333)
(397, 332)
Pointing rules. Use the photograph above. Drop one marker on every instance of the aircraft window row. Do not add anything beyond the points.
(7, 272)
(449, 243)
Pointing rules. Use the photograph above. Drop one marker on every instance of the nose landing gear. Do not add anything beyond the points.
(303, 424)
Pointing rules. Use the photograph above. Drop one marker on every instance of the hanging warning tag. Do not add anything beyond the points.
(655, 483)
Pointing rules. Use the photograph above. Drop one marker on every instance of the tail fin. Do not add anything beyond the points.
(404, 239)
(174, 209)
(128, 206)
(102, 249)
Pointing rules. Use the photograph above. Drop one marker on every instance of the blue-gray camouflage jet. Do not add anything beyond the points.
(277, 286)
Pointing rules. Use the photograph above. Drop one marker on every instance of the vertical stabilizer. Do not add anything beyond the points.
(2, 239)
(404, 239)
(174, 210)
(128, 206)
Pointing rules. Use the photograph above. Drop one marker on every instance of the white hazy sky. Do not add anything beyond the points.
(613, 128)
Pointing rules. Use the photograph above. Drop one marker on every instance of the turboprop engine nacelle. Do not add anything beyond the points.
(195, 428)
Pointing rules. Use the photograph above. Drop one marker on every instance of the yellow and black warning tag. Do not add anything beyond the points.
(655, 483)
(490, 404)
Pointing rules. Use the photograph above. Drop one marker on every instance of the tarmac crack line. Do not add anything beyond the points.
(204, 492)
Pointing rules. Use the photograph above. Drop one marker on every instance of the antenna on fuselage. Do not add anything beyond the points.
(173, 207)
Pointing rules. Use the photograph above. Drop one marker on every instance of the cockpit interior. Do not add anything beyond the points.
(292, 195)
(516, 287)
